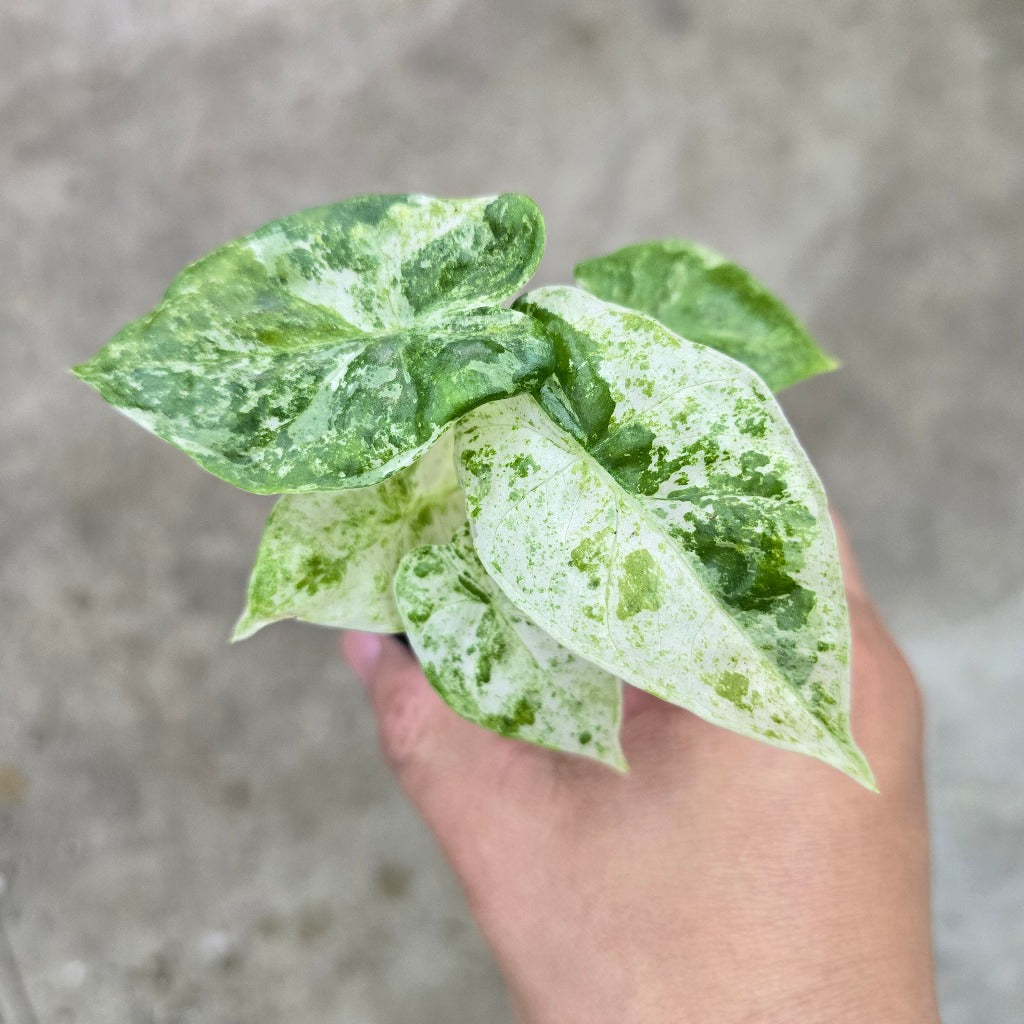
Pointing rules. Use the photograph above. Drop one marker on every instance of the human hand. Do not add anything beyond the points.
(721, 881)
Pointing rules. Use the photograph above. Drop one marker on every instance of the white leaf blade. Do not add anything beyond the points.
(694, 469)
(329, 557)
(493, 666)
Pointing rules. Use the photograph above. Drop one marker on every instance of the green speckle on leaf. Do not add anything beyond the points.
(523, 465)
(733, 686)
(316, 572)
(491, 640)
(477, 461)
(587, 555)
(524, 713)
(640, 585)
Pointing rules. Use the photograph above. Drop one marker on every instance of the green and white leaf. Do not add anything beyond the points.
(331, 348)
(330, 557)
(494, 666)
(702, 296)
(658, 517)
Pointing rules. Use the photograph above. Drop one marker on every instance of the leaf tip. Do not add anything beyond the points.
(247, 625)
(826, 363)
(858, 769)
(82, 371)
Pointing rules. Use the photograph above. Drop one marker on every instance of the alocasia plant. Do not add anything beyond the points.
(590, 486)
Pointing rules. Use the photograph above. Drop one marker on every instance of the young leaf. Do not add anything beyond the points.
(700, 295)
(670, 529)
(492, 665)
(330, 557)
(330, 348)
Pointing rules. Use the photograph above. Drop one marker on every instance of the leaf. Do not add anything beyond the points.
(700, 295)
(330, 557)
(492, 665)
(330, 348)
(670, 529)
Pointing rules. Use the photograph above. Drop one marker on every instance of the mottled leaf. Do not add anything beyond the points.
(330, 557)
(330, 348)
(705, 298)
(492, 665)
(658, 517)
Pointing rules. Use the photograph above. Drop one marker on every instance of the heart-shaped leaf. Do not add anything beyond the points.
(330, 348)
(668, 527)
(492, 665)
(702, 296)
(330, 557)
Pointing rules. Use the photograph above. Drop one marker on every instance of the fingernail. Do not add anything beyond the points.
(362, 652)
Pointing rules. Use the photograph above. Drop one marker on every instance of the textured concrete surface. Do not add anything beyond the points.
(196, 832)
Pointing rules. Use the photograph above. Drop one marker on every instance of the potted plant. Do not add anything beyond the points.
(590, 485)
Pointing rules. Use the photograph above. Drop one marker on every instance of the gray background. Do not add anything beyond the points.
(196, 832)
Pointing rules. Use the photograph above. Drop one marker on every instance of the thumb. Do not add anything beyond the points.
(442, 761)
(852, 580)
(409, 714)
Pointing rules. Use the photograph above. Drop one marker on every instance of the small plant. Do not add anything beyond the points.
(594, 484)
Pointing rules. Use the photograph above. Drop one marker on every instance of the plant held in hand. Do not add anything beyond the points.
(592, 485)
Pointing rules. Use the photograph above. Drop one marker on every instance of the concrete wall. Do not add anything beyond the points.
(196, 832)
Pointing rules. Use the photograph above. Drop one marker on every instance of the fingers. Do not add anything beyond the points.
(887, 713)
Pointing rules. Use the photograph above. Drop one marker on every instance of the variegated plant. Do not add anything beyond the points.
(592, 485)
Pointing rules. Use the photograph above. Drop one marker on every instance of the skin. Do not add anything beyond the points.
(722, 880)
